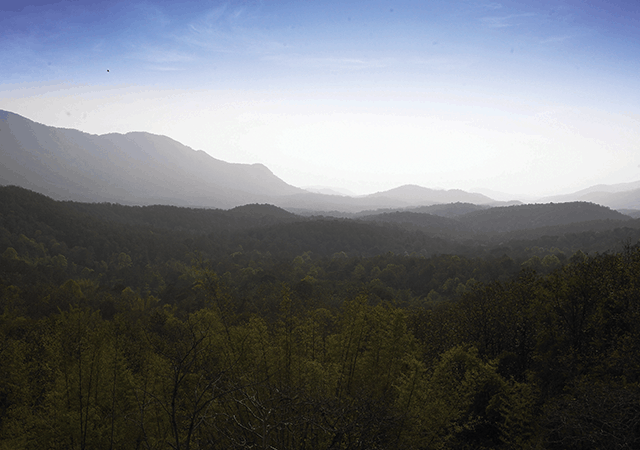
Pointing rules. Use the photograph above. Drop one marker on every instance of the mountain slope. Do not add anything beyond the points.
(527, 217)
(555, 218)
(420, 196)
(138, 168)
(143, 169)
(449, 209)
(617, 196)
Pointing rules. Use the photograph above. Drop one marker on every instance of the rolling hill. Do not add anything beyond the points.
(504, 219)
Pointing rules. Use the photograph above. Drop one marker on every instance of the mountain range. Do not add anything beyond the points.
(618, 196)
(132, 168)
(143, 169)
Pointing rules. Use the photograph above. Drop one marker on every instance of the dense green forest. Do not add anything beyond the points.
(254, 328)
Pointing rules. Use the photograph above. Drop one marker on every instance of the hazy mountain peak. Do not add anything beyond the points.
(413, 194)
(616, 196)
(136, 167)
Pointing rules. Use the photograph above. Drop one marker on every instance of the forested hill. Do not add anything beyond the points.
(449, 209)
(268, 228)
(163, 327)
(524, 217)
(460, 220)
(195, 220)
(434, 224)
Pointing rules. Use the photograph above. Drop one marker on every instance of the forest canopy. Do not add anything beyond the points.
(163, 327)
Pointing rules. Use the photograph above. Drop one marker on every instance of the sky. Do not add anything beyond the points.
(518, 97)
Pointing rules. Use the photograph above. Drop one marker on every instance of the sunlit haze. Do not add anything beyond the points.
(527, 98)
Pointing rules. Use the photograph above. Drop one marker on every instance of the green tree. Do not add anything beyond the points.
(458, 405)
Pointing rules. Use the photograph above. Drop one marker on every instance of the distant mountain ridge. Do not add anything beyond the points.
(500, 219)
(268, 228)
(140, 168)
(531, 216)
(450, 209)
(132, 168)
(418, 195)
(617, 196)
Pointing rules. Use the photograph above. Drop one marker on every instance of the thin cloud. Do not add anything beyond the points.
(160, 58)
(166, 68)
(233, 30)
(209, 39)
(237, 13)
(219, 31)
(503, 21)
(99, 46)
(152, 15)
(554, 39)
(214, 15)
(445, 63)
(296, 60)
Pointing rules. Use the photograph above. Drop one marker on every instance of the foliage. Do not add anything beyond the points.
(305, 334)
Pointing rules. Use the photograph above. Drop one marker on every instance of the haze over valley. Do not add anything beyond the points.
(145, 169)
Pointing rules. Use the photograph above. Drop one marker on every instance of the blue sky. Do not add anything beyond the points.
(519, 97)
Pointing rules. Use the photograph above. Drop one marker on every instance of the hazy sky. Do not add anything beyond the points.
(522, 97)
